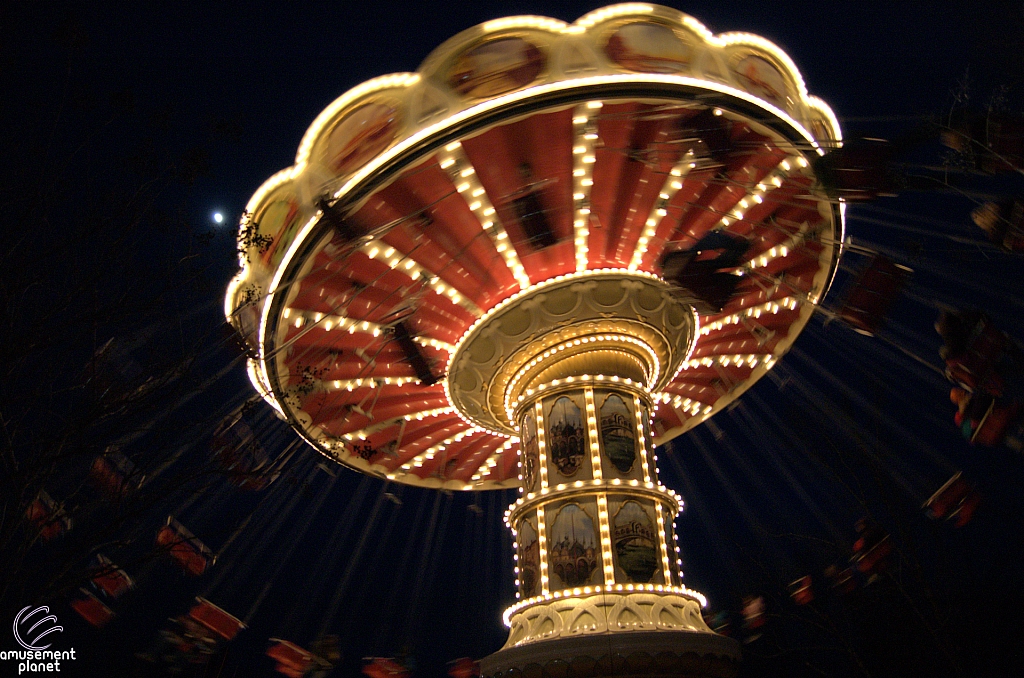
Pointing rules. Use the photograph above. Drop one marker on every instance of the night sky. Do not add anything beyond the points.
(846, 426)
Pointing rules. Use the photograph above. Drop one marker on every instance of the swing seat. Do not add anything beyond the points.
(240, 454)
(721, 624)
(859, 171)
(842, 580)
(414, 354)
(47, 517)
(290, 671)
(753, 613)
(1002, 222)
(800, 590)
(382, 667)
(1006, 138)
(872, 295)
(112, 372)
(292, 660)
(464, 668)
(533, 220)
(111, 580)
(192, 555)
(114, 475)
(91, 609)
(215, 619)
(997, 422)
(192, 644)
(872, 559)
(1000, 133)
(976, 367)
(956, 500)
(709, 293)
(700, 273)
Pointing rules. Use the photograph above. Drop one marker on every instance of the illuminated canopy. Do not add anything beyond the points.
(396, 280)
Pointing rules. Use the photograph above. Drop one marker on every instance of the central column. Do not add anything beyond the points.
(571, 368)
(594, 540)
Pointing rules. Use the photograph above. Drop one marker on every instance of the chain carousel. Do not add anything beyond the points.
(551, 249)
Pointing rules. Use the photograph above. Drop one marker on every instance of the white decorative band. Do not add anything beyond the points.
(607, 612)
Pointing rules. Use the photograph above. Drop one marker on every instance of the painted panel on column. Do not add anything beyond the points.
(566, 436)
(618, 434)
(529, 559)
(635, 539)
(530, 451)
(645, 420)
(574, 551)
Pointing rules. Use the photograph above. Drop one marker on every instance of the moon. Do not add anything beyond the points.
(218, 217)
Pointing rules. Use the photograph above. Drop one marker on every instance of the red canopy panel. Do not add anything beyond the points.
(472, 462)
(376, 362)
(334, 410)
(639, 155)
(530, 156)
(420, 445)
(446, 463)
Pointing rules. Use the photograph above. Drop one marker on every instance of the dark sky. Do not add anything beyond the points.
(273, 67)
